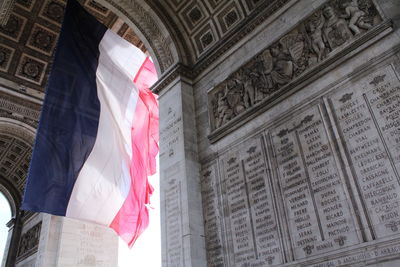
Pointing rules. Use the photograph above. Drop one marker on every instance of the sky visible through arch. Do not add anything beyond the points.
(5, 217)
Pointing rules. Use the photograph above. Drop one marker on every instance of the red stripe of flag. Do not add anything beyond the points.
(133, 217)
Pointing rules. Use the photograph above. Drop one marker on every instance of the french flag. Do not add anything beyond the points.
(98, 133)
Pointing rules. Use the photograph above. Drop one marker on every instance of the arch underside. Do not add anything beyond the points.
(16, 140)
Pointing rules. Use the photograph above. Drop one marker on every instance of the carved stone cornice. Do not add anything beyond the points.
(19, 106)
(29, 242)
(6, 7)
(170, 75)
(246, 27)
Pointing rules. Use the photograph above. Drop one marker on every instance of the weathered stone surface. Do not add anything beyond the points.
(321, 167)
(291, 160)
(322, 179)
(182, 228)
(310, 47)
(67, 242)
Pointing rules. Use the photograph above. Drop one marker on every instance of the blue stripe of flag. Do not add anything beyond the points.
(70, 114)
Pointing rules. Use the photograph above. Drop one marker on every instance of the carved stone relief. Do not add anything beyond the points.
(53, 10)
(319, 37)
(18, 119)
(6, 54)
(5, 11)
(42, 39)
(29, 242)
(29, 37)
(31, 69)
(14, 160)
(317, 187)
(25, 4)
(14, 27)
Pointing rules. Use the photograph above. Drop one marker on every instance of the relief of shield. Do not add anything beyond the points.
(233, 98)
(296, 50)
(293, 44)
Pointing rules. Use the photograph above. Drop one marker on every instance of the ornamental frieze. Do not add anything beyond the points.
(325, 35)
(29, 242)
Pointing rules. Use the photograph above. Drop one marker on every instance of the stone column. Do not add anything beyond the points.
(9, 235)
(16, 226)
(182, 225)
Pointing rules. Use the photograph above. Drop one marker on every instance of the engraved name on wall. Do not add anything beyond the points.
(173, 210)
(367, 116)
(319, 215)
(319, 180)
(249, 207)
(212, 204)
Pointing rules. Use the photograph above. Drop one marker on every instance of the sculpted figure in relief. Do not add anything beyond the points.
(262, 82)
(356, 16)
(335, 29)
(293, 54)
(249, 97)
(235, 93)
(317, 43)
(282, 66)
(223, 112)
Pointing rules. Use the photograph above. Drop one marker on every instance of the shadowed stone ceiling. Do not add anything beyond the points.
(204, 29)
(15, 156)
(212, 26)
(28, 40)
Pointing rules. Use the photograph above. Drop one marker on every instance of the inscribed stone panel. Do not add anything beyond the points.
(249, 205)
(367, 117)
(320, 216)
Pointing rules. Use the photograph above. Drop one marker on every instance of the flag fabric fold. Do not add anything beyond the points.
(97, 137)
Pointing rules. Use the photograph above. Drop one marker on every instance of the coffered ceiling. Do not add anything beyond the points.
(28, 39)
(15, 156)
(206, 26)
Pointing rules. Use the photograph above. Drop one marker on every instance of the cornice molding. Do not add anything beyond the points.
(6, 6)
(242, 30)
(16, 129)
(178, 70)
(20, 106)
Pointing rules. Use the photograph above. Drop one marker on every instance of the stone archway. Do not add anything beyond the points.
(16, 139)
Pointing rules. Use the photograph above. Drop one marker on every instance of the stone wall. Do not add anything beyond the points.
(308, 173)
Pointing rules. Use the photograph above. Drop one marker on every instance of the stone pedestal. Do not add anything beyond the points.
(66, 242)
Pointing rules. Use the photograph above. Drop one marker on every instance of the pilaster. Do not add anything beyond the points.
(181, 208)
